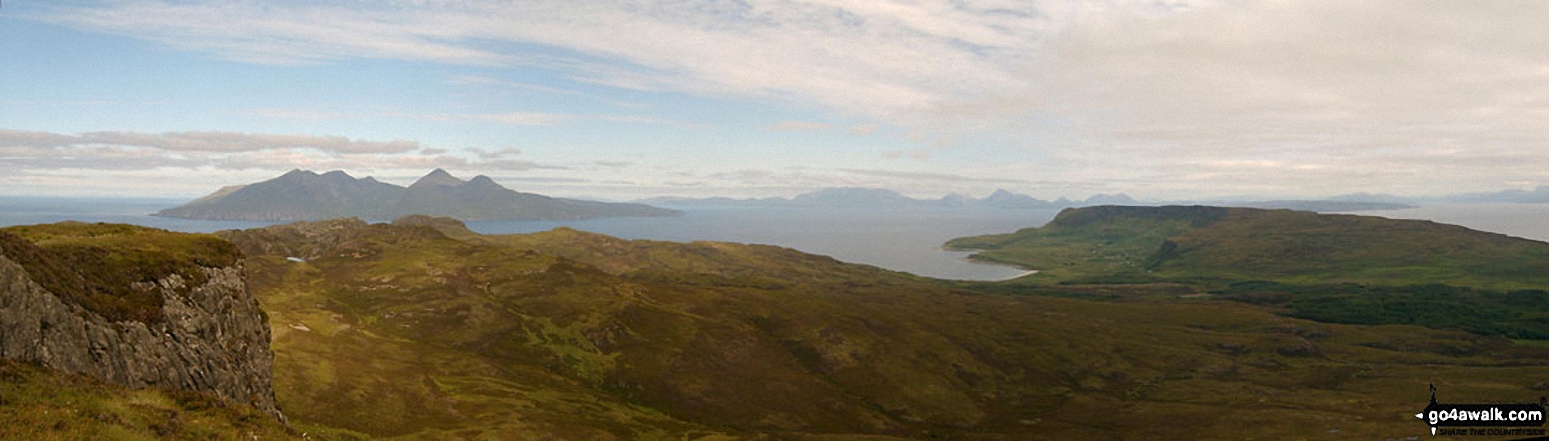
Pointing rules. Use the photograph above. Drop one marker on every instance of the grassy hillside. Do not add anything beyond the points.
(1108, 244)
(40, 403)
(425, 330)
(96, 265)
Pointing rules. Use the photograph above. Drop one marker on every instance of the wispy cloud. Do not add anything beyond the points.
(1182, 96)
(514, 118)
(484, 80)
(501, 153)
(930, 176)
(290, 34)
(488, 81)
(197, 141)
(297, 114)
(1314, 97)
(879, 57)
(796, 126)
(22, 151)
(33, 139)
(507, 118)
(911, 154)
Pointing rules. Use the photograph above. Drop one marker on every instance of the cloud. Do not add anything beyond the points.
(911, 154)
(508, 118)
(796, 126)
(203, 141)
(1313, 95)
(869, 57)
(544, 180)
(1183, 96)
(632, 119)
(242, 142)
(279, 33)
(23, 138)
(930, 176)
(21, 158)
(514, 165)
(502, 153)
(522, 86)
(504, 118)
(39, 151)
(527, 118)
(484, 80)
(297, 114)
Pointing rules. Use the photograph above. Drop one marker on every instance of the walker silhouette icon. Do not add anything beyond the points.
(1498, 419)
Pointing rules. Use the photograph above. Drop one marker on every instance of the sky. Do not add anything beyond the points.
(620, 100)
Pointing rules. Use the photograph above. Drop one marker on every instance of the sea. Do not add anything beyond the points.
(907, 240)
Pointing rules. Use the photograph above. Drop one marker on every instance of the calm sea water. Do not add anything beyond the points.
(33, 210)
(898, 240)
(1530, 221)
(906, 240)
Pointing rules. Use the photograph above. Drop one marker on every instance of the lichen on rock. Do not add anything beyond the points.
(208, 334)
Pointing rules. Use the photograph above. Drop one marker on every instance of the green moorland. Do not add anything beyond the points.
(1207, 244)
(96, 265)
(424, 330)
(1329, 268)
(38, 403)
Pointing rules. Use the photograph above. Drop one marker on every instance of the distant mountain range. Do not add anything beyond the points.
(1368, 201)
(856, 197)
(859, 197)
(1320, 205)
(876, 197)
(1538, 195)
(1535, 196)
(304, 195)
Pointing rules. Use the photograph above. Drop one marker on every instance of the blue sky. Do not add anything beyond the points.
(628, 99)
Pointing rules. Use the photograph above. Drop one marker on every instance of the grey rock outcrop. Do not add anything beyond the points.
(213, 337)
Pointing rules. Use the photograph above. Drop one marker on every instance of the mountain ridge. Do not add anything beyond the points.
(305, 195)
(1235, 243)
(1535, 196)
(873, 197)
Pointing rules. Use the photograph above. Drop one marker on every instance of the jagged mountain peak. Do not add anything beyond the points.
(438, 177)
(1116, 198)
(483, 181)
(296, 173)
(303, 195)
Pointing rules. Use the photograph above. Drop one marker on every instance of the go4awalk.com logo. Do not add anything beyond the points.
(1484, 419)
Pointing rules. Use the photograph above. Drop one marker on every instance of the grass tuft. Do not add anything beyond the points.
(97, 266)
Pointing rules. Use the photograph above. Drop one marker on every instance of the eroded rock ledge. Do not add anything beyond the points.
(211, 337)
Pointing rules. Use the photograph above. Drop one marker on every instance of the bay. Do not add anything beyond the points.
(899, 240)
(906, 240)
(1528, 221)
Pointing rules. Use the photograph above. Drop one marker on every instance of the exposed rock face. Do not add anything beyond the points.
(213, 337)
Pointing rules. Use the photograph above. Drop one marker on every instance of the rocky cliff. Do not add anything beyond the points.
(135, 306)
